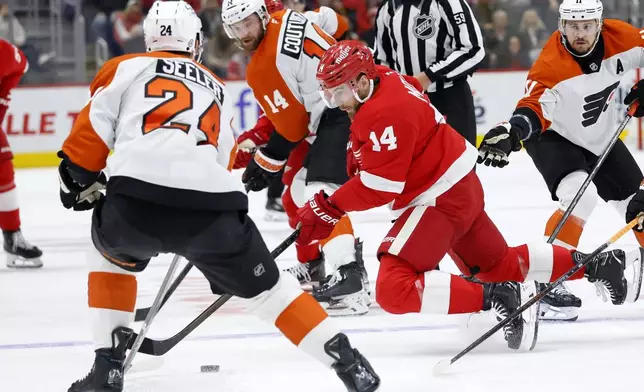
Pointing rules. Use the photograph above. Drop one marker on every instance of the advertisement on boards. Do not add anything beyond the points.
(40, 118)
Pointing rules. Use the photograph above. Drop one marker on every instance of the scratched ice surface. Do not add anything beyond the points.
(45, 336)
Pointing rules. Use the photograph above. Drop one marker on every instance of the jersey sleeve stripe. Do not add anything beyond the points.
(382, 184)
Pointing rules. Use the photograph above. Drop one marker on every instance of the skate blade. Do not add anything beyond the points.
(17, 262)
(350, 305)
(555, 314)
(633, 274)
(530, 317)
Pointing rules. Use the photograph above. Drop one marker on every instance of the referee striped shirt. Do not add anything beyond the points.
(438, 37)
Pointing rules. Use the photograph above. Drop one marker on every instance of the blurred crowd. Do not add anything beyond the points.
(514, 30)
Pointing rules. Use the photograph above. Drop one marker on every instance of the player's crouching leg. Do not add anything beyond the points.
(401, 289)
(617, 274)
(307, 325)
(111, 298)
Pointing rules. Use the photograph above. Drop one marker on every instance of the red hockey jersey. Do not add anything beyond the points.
(407, 155)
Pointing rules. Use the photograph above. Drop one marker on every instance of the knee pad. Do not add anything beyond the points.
(396, 290)
(297, 188)
(568, 188)
(7, 176)
(312, 188)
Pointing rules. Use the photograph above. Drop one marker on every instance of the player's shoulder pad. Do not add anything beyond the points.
(620, 37)
(554, 63)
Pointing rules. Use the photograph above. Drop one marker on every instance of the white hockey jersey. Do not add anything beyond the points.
(167, 120)
(281, 73)
(328, 20)
(576, 104)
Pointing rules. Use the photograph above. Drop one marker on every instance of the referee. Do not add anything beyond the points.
(439, 43)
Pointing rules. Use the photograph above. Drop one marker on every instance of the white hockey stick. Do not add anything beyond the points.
(153, 312)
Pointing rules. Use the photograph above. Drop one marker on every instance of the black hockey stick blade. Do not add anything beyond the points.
(142, 313)
(160, 347)
(443, 365)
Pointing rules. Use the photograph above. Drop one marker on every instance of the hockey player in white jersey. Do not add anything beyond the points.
(285, 50)
(167, 119)
(565, 122)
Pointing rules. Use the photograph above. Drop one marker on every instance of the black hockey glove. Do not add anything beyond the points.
(261, 171)
(497, 145)
(77, 196)
(636, 94)
(636, 207)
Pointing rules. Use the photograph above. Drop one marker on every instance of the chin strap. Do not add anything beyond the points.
(368, 95)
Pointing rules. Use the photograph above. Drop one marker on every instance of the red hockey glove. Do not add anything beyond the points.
(318, 218)
(258, 135)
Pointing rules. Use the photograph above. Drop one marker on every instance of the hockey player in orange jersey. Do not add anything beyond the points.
(285, 49)
(310, 268)
(566, 121)
(167, 120)
(408, 158)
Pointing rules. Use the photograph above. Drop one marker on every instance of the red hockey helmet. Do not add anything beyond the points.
(339, 67)
(274, 5)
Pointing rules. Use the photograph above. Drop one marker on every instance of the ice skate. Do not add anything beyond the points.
(107, 372)
(503, 299)
(310, 274)
(616, 274)
(353, 369)
(20, 253)
(344, 293)
(559, 304)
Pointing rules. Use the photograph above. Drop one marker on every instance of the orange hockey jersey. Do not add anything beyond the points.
(572, 97)
(281, 73)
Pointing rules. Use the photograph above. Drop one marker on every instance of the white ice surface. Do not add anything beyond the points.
(45, 336)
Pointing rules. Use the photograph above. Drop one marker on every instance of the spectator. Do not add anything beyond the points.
(497, 37)
(237, 66)
(533, 33)
(513, 56)
(219, 49)
(147, 4)
(128, 27)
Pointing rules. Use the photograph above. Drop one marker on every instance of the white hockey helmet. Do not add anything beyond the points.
(580, 10)
(173, 26)
(234, 11)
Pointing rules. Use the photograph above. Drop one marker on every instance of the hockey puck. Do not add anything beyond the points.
(209, 368)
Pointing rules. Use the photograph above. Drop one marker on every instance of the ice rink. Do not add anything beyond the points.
(45, 335)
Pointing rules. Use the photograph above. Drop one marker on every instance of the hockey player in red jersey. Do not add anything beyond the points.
(20, 254)
(406, 156)
(566, 123)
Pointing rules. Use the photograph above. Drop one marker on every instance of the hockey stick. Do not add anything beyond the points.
(142, 313)
(138, 340)
(443, 365)
(600, 161)
(593, 173)
(160, 347)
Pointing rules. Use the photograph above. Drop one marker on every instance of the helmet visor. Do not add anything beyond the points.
(336, 96)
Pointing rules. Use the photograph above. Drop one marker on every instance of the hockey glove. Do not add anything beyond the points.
(261, 171)
(636, 207)
(77, 196)
(636, 94)
(352, 163)
(497, 145)
(318, 217)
